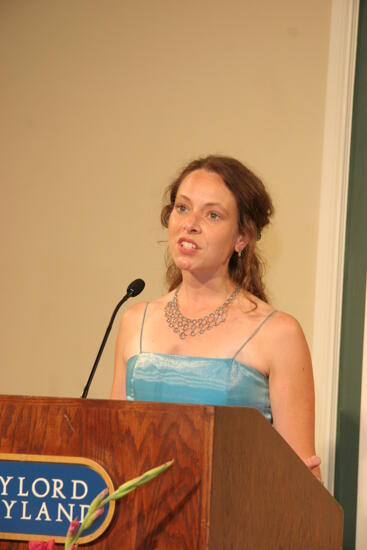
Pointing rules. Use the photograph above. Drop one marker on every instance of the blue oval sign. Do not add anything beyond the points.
(41, 495)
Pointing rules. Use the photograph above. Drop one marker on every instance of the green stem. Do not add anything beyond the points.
(100, 501)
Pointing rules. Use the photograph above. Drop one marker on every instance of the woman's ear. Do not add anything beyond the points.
(241, 242)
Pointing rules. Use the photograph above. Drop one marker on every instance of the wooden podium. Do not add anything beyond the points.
(235, 483)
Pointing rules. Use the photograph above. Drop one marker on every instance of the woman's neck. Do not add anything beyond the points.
(197, 296)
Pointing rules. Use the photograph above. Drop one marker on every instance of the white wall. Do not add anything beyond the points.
(101, 103)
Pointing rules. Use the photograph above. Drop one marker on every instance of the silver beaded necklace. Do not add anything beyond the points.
(192, 327)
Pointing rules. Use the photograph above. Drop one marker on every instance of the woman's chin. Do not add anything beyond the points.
(184, 264)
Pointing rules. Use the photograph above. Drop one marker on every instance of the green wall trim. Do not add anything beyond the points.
(354, 286)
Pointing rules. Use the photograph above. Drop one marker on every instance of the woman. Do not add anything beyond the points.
(214, 338)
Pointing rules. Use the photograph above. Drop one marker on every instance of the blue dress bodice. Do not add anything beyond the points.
(196, 380)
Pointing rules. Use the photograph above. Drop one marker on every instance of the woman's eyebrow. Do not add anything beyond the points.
(182, 196)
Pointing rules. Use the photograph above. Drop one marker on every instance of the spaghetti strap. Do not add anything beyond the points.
(254, 333)
(142, 325)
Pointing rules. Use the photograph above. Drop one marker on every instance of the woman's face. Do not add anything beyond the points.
(203, 225)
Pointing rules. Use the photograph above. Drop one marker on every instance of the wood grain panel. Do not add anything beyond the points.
(280, 503)
(126, 439)
(235, 483)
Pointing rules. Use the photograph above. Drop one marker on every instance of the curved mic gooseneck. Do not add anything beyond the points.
(134, 288)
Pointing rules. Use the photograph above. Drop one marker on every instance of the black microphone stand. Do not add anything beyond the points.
(133, 290)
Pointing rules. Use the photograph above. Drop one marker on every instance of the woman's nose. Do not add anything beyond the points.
(192, 223)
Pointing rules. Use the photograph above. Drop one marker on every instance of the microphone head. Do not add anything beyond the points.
(135, 287)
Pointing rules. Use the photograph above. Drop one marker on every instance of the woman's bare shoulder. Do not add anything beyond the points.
(285, 327)
(135, 312)
(282, 333)
(286, 343)
(157, 305)
(282, 325)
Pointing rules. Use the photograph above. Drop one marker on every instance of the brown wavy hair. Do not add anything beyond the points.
(254, 211)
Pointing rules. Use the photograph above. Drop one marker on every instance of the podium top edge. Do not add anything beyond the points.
(117, 404)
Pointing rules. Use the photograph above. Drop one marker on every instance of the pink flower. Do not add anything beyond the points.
(41, 545)
(73, 528)
(98, 513)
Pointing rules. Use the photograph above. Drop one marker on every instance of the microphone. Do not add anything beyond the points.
(134, 288)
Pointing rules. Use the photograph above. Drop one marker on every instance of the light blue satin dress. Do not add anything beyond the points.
(197, 380)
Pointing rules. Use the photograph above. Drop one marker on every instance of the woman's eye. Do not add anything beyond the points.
(214, 216)
(181, 208)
